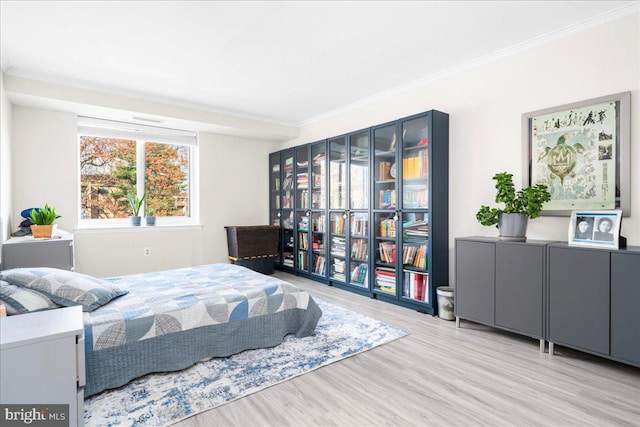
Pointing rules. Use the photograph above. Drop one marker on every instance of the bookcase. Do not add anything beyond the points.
(411, 159)
(371, 210)
(310, 209)
(349, 195)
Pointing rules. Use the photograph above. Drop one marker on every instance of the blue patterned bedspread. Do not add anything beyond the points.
(171, 301)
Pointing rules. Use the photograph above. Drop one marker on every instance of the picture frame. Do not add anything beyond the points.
(600, 229)
(581, 151)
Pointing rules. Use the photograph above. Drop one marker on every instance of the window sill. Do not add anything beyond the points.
(120, 228)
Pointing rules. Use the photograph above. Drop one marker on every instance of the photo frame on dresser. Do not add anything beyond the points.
(600, 229)
(581, 152)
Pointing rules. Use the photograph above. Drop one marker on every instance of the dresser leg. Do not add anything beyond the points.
(550, 348)
(542, 346)
(457, 322)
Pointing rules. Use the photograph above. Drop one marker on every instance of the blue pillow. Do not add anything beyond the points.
(23, 300)
(64, 287)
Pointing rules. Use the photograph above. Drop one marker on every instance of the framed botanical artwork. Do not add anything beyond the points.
(580, 151)
(595, 228)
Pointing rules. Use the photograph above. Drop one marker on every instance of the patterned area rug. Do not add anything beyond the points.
(164, 399)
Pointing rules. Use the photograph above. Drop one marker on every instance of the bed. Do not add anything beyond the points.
(166, 321)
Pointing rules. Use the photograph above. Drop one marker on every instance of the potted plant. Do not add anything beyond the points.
(135, 203)
(150, 218)
(519, 207)
(42, 220)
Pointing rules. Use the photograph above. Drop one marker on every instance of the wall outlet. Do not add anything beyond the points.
(147, 251)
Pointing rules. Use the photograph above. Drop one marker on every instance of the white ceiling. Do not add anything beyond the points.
(283, 62)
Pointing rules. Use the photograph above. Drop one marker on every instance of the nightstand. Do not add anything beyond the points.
(42, 360)
(26, 251)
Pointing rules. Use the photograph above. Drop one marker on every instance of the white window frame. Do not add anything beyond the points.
(88, 126)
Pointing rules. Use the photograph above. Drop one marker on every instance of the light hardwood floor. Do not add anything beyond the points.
(441, 376)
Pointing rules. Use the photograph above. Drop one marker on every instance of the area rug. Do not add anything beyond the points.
(164, 399)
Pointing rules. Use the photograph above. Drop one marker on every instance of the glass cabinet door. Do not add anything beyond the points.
(359, 193)
(385, 252)
(302, 259)
(338, 173)
(287, 208)
(359, 255)
(302, 178)
(302, 207)
(415, 259)
(359, 171)
(415, 164)
(319, 176)
(337, 254)
(384, 167)
(318, 243)
(274, 198)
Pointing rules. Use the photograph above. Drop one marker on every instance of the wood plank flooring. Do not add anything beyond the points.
(441, 376)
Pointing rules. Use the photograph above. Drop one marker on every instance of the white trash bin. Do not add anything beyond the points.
(445, 302)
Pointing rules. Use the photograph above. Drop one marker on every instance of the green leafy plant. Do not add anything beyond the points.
(528, 201)
(43, 216)
(135, 203)
(150, 212)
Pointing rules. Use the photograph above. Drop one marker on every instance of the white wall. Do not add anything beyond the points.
(5, 162)
(485, 105)
(233, 191)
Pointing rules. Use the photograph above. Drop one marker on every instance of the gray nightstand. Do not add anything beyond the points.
(26, 251)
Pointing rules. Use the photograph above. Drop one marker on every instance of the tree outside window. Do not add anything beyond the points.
(109, 171)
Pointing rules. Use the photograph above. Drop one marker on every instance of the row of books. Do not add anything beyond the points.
(387, 199)
(318, 223)
(385, 280)
(338, 246)
(317, 199)
(302, 163)
(287, 182)
(417, 228)
(320, 266)
(302, 260)
(287, 202)
(359, 224)
(387, 252)
(359, 249)
(387, 227)
(337, 224)
(416, 286)
(360, 274)
(416, 167)
(384, 171)
(304, 199)
(302, 180)
(419, 258)
(288, 164)
(303, 241)
(415, 199)
(338, 269)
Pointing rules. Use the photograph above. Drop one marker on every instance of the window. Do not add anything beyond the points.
(118, 159)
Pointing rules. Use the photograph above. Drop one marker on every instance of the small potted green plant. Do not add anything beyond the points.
(135, 203)
(519, 207)
(150, 218)
(42, 220)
